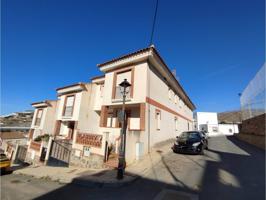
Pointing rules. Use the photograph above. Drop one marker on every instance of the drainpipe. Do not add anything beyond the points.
(149, 111)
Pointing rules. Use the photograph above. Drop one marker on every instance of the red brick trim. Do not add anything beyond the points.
(31, 133)
(103, 117)
(142, 116)
(165, 108)
(88, 139)
(35, 146)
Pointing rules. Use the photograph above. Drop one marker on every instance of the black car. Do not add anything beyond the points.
(191, 142)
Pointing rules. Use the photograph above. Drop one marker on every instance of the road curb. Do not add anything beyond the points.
(85, 182)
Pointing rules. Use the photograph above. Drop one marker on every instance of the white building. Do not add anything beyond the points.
(208, 121)
(157, 109)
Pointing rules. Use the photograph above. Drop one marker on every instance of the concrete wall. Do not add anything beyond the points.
(206, 118)
(60, 107)
(140, 81)
(254, 126)
(49, 121)
(158, 90)
(47, 124)
(252, 131)
(228, 129)
(89, 119)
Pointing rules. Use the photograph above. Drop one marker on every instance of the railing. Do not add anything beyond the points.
(119, 95)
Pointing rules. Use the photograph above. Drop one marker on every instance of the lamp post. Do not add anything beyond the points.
(121, 159)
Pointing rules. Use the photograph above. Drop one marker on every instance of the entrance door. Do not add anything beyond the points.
(71, 126)
(43, 154)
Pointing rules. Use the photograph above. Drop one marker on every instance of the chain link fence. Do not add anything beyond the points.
(252, 99)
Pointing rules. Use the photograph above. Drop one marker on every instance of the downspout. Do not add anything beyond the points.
(149, 111)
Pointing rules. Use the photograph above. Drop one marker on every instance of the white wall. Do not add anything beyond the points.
(206, 118)
(159, 91)
(61, 101)
(49, 121)
(228, 129)
(139, 92)
(89, 119)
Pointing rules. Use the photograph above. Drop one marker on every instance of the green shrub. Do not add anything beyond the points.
(44, 137)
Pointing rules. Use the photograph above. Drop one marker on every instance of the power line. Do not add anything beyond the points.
(153, 23)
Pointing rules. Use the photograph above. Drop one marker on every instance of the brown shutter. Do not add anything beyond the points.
(142, 116)
(103, 118)
(57, 127)
(31, 133)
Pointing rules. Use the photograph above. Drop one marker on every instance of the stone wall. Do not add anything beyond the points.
(252, 131)
(93, 161)
(254, 126)
(35, 162)
(256, 140)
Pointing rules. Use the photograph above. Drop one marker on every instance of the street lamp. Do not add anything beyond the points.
(121, 159)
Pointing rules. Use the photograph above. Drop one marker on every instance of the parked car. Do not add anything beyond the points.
(190, 142)
(5, 163)
(205, 134)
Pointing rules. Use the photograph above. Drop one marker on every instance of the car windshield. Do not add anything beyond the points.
(189, 135)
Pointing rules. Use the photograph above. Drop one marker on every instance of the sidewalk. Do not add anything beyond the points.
(99, 177)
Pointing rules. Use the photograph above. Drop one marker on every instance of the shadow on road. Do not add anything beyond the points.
(232, 176)
(235, 176)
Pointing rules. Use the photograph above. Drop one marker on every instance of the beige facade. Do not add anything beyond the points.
(43, 123)
(157, 109)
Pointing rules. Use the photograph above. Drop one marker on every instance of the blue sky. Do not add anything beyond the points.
(215, 46)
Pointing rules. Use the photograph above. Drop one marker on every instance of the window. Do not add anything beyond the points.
(176, 123)
(69, 105)
(111, 119)
(215, 129)
(38, 117)
(170, 94)
(120, 77)
(176, 99)
(158, 119)
(101, 90)
(180, 103)
(188, 126)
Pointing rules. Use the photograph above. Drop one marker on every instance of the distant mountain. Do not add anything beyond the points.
(17, 119)
(229, 117)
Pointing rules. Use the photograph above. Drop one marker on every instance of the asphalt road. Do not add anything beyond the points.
(230, 169)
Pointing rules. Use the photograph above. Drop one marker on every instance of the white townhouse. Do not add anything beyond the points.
(157, 106)
(42, 124)
(157, 109)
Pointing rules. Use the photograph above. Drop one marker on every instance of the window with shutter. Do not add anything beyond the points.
(38, 117)
(69, 105)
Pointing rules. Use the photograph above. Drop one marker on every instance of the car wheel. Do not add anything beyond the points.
(201, 151)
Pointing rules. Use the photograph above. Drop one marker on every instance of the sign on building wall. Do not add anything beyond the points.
(86, 151)
(89, 139)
